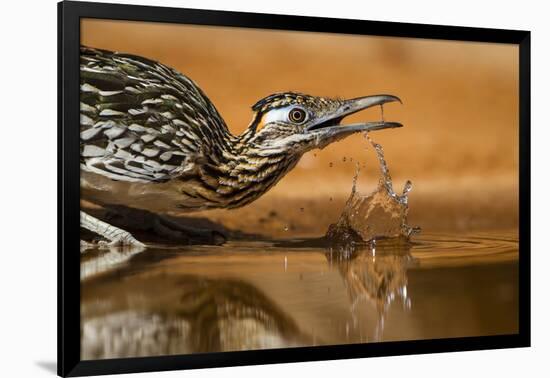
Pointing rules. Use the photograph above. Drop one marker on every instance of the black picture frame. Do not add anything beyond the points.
(69, 15)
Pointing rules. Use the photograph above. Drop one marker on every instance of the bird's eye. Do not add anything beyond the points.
(297, 115)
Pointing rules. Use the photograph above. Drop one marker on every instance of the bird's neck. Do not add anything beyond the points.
(236, 176)
(251, 173)
(233, 173)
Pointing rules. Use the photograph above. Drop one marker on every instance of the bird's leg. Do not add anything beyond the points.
(162, 228)
(115, 235)
(175, 231)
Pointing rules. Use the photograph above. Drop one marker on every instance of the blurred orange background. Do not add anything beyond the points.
(459, 143)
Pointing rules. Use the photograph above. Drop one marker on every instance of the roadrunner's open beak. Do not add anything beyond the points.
(328, 128)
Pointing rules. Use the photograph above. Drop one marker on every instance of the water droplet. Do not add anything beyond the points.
(407, 188)
(330, 164)
(314, 155)
(330, 199)
(344, 159)
(286, 228)
(302, 209)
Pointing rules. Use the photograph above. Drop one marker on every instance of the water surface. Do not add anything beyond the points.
(271, 294)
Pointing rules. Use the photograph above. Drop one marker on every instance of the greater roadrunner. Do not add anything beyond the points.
(151, 139)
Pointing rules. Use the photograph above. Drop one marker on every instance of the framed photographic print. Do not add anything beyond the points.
(250, 188)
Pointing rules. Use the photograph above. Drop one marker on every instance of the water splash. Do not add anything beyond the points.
(380, 214)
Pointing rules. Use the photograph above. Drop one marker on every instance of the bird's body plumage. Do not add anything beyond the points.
(150, 134)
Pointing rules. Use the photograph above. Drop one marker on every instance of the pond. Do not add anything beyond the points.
(297, 292)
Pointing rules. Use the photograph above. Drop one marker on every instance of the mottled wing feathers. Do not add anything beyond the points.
(142, 121)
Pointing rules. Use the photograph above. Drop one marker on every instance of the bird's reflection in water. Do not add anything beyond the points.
(375, 275)
(94, 261)
(136, 304)
(161, 314)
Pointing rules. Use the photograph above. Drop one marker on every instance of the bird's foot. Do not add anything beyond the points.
(116, 237)
(162, 228)
(84, 246)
